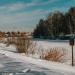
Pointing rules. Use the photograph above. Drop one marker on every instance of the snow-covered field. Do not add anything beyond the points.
(48, 44)
(11, 61)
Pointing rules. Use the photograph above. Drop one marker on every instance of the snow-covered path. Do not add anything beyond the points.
(13, 65)
(13, 62)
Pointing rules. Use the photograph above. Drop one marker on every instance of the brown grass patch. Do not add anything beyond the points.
(54, 54)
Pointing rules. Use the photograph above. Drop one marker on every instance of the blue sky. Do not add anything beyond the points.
(23, 15)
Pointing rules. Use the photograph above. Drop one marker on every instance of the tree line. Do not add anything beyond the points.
(57, 24)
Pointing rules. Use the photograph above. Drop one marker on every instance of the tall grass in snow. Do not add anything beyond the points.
(54, 54)
(25, 45)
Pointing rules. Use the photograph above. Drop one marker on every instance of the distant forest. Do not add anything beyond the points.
(57, 24)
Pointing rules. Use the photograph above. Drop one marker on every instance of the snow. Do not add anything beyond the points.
(45, 45)
(48, 44)
(8, 48)
(14, 64)
(52, 66)
(52, 44)
(11, 61)
(1, 65)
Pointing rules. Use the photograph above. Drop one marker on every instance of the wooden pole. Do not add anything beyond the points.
(72, 56)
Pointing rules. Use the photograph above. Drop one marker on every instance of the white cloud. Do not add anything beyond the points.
(12, 7)
(24, 18)
(30, 4)
(40, 2)
(20, 20)
(19, 6)
(15, 7)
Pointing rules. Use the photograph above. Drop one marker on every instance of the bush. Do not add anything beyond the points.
(25, 45)
(54, 54)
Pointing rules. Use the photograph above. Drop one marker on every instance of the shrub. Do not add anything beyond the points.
(54, 54)
(25, 45)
